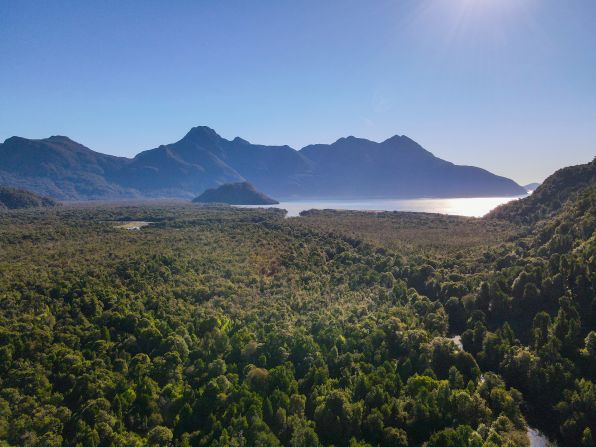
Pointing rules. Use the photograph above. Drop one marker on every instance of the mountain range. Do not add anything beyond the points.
(349, 168)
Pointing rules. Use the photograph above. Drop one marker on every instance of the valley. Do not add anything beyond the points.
(219, 326)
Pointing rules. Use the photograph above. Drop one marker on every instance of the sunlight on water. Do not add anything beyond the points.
(473, 207)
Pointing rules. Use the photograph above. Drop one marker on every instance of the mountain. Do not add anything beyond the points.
(531, 186)
(203, 159)
(349, 168)
(398, 168)
(61, 168)
(562, 186)
(13, 198)
(242, 193)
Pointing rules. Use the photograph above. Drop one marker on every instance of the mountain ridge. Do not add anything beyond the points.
(351, 167)
(549, 197)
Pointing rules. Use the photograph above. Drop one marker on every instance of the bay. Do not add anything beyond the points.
(461, 206)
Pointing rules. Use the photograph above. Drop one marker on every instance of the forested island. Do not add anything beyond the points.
(242, 193)
(219, 326)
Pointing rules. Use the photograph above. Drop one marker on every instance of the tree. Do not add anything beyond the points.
(159, 436)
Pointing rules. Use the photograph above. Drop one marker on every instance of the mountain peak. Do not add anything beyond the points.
(351, 139)
(52, 139)
(201, 133)
(404, 143)
(394, 138)
(400, 139)
(59, 138)
(15, 139)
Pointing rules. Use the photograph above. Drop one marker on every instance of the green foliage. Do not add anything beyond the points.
(235, 327)
(547, 199)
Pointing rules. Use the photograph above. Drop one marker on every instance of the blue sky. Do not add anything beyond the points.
(507, 85)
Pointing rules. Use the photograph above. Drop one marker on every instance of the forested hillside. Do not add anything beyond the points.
(550, 196)
(237, 327)
(14, 198)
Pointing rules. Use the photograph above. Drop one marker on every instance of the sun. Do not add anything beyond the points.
(453, 23)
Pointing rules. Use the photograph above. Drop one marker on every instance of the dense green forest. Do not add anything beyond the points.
(218, 326)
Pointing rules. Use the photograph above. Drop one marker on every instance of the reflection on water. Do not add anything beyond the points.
(473, 207)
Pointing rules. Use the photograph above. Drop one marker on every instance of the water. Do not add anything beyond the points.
(537, 439)
(473, 207)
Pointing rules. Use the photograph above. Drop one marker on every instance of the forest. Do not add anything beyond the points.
(222, 326)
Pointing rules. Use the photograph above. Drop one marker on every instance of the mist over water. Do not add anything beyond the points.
(472, 207)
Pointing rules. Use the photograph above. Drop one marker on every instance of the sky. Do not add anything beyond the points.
(507, 85)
